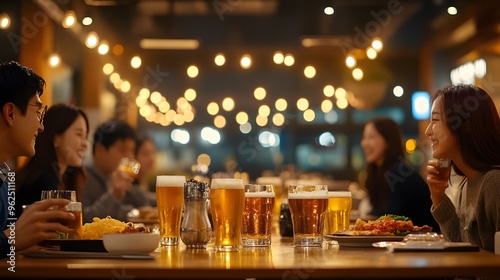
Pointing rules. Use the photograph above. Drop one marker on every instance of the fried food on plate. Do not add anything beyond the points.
(99, 227)
(386, 225)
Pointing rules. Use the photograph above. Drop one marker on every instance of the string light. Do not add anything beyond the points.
(69, 19)
(4, 20)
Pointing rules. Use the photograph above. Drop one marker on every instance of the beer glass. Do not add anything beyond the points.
(130, 166)
(170, 202)
(444, 167)
(339, 211)
(74, 207)
(257, 215)
(308, 205)
(227, 197)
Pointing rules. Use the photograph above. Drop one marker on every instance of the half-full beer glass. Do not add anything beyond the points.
(74, 207)
(227, 197)
(257, 215)
(308, 207)
(170, 202)
(339, 211)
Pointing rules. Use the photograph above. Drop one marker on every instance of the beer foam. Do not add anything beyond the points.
(170, 181)
(308, 195)
(227, 184)
(259, 194)
(339, 194)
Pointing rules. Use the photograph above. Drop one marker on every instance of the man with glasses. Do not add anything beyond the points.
(41, 111)
(21, 119)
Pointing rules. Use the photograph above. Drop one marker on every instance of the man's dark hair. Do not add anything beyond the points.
(111, 131)
(18, 84)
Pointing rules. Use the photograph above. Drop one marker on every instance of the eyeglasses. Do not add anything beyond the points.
(41, 111)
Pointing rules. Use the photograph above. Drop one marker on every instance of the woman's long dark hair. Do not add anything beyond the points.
(376, 182)
(57, 120)
(472, 118)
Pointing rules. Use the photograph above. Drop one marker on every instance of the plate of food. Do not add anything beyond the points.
(390, 228)
(91, 237)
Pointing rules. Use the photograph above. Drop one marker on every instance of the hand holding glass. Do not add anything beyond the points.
(73, 207)
(130, 166)
(443, 166)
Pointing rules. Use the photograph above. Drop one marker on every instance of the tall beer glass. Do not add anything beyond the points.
(257, 215)
(308, 207)
(339, 211)
(227, 198)
(170, 202)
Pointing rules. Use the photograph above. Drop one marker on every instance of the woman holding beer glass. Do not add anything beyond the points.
(392, 183)
(57, 163)
(465, 127)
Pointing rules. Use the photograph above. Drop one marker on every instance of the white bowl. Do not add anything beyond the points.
(131, 243)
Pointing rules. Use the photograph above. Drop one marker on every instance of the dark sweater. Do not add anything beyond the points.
(477, 217)
(408, 195)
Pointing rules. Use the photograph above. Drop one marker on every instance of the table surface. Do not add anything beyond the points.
(282, 260)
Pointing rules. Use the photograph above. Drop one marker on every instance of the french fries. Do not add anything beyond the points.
(99, 227)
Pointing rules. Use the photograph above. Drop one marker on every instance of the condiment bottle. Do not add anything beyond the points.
(195, 227)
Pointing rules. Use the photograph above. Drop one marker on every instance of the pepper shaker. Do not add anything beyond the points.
(195, 227)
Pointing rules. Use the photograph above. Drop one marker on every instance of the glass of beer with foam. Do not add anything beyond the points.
(170, 202)
(227, 198)
(257, 215)
(339, 211)
(308, 204)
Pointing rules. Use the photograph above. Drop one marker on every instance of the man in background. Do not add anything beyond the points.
(109, 190)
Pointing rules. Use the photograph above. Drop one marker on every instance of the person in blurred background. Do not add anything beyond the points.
(393, 185)
(465, 127)
(145, 154)
(21, 120)
(58, 161)
(108, 189)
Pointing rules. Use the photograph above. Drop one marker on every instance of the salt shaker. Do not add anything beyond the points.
(195, 227)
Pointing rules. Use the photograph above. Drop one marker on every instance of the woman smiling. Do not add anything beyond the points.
(59, 155)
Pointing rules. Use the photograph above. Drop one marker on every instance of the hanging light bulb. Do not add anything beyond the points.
(92, 40)
(54, 60)
(452, 10)
(87, 19)
(103, 48)
(4, 20)
(69, 19)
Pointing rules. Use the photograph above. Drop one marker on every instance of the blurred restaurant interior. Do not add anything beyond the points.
(258, 87)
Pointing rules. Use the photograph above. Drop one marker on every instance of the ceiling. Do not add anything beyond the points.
(261, 27)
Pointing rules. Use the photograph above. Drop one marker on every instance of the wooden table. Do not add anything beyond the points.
(280, 261)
